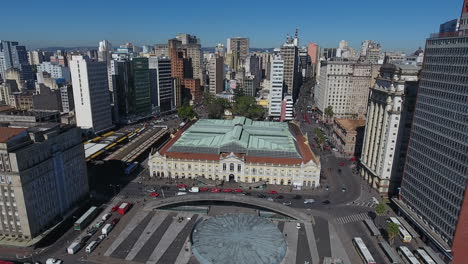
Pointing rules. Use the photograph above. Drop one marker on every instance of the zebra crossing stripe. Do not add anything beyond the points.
(352, 218)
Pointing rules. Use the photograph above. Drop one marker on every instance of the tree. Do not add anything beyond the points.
(380, 209)
(208, 98)
(320, 137)
(186, 112)
(392, 230)
(215, 111)
(247, 106)
(329, 111)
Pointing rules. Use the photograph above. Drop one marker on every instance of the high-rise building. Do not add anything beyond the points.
(216, 73)
(161, 50)
(104, 51)
(276, 87)
(370, 51)
(287, 109)
(265, 60)
(388, 127)
(187, 39)
(12, 55)
(56, 71)
(290, 54)
(43, 177)
(304, 63)
(35, 57)
(91, 94)
(132, 90)
(220, 50)
(237, 51)
(162, 90)
(434, 192)
(344, 85)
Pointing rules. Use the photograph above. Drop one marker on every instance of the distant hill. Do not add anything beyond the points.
(212, 49)
(205, 49)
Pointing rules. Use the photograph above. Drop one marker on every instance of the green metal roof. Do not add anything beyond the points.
(241, 135)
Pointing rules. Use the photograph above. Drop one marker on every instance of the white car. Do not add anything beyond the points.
(309, 201)
(335, 149)
(298, 225)
(54, 261)
(181, 193)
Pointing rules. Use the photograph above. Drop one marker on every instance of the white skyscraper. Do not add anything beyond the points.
(276, 87)
(91, 94)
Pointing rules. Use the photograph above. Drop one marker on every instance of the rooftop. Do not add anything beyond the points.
(7, 133)
(240, 239)
(254, 141)
(351, 124)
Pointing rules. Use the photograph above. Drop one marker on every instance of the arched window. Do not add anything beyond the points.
(231, 167)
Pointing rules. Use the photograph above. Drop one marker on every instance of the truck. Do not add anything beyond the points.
(106, 229)
(73, 248)
(123, 208)
(106, 216)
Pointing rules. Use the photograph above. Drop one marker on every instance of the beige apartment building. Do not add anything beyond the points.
(42, 176)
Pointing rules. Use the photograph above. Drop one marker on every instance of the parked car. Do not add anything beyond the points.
(343, 189)
(181, 193)
(227, 190)
(115, 221)
(204, 189)
(270, 199)
(215, 190)
(342, 163)
(154, 194)
(273, 192)
(287, 203)
(261, 196)
(182, 186)
(297, 197)
(327, 188)
(115, 208)
(309, 201)
(238, 190)
(106, 216)
(326, 202)
(298, 226)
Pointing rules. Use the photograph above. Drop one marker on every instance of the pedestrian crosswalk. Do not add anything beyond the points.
(370, 204)
(352, 218)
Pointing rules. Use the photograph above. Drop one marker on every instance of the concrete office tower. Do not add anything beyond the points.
(265, 60)
(162, 85)
(314, 53)
(161, 50)
(91, 94)
(434, 192)
(289, 54)
(194, 53)
(252, 68)
(237, 51)
(344, 85)
(43, 177)
(220, 50)
(370, 51)
(35, 57)
(287, 109)
(132, 92)
(304, 63)
(187, 39)
(56, 71)
(12, 55)
(276, 87)
(388, 127)
(216, 73)
(66, 96)
(104, 51)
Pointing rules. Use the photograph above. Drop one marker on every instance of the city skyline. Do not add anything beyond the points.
(85, 26)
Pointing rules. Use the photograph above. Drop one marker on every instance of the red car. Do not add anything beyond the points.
(272, 192)
(181, 186)
(227, 190)
(215, 190)
(154, 194)
(115, 221)
(353, 159)
(115, 208)
(238, 190)
(204, 189)
(342, 164)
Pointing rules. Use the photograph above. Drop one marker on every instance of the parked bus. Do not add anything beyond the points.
(407, 256)
(405, 236)
(424, 257)
(363, 251)
(390, 253)
(372, 228)
(86, 218)
(130, 168)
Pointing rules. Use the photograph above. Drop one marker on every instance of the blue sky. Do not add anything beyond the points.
(396, 24)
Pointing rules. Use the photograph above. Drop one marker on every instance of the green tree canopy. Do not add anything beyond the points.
(393, 231)
(380, 209)
(186, 112)
(217, 107)
(329, 111)
(319, 135)
(247, 106)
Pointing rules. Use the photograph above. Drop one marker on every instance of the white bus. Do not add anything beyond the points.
(424, 257)
(363, 251)
(407, 256)
(405, 236)
(91, 246)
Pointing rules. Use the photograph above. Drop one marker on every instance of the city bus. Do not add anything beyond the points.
(372, 228)
(405, 236)
(424, 257)
(363, 251)
(85, 219)
(407, 256)
(130, 168)
(390, 253)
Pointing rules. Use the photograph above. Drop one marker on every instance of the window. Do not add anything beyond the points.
(239, 167)
(224, 166)
(231, 167)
